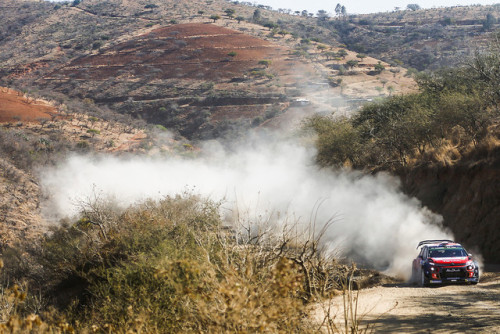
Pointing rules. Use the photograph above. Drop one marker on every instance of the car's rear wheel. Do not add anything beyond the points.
(414, 277)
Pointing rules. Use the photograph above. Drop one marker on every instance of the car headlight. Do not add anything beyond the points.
(470, 265)
(432, 268)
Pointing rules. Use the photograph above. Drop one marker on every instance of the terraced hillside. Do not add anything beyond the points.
(169, 64)
(180, 76)
(204, 80)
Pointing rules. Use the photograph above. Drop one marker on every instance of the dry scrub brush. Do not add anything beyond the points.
(172, 266)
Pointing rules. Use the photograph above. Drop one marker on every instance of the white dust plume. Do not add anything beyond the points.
(374, 221)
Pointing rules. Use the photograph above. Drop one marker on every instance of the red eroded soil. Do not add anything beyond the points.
(16, 107)
(191, 51)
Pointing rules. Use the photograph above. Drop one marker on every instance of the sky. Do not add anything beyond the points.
(365, 6)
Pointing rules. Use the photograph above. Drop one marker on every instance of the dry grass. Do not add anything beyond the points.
(169, 266)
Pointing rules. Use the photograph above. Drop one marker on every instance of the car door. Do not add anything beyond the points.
(419, 261)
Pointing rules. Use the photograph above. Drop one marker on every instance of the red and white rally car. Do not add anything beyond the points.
(443, 261)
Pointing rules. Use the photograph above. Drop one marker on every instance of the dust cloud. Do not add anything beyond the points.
(373, 221)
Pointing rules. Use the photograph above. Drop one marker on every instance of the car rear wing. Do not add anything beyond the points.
(425, 242)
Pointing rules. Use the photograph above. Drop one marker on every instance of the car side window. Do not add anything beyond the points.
(424, 253)
(421, 252)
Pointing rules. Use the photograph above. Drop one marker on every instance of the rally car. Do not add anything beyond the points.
(443, 261)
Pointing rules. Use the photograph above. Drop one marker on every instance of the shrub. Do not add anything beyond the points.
(93, 132)
(338, 142)
(379, 67)
(265, 62)
(171, 266)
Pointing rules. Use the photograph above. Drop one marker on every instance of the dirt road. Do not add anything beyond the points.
(402, 308)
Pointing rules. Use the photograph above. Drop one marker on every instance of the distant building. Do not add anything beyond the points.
(301, 102)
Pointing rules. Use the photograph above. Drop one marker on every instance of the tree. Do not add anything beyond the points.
(270, 25)
(256, 15)
(229, 12)
(413, 6)
(240, 18)
(330, 55)
(343, 11)
(342, 70)
(485, 67)
(338, 10)
(351, 63)
(361, 56)
(379, 67)
(321, 47)
(342, 53)
(283, 32)
(489, 22)
(338, 142)
(322, 15)
(394, 127)
(215, 17)
(391, 90)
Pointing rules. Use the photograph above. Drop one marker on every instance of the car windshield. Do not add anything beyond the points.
(447, 252)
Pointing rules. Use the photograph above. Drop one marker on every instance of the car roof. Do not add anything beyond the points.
(445, 244)
(437, 243)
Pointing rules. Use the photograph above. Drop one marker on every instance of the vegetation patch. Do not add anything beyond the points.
(172, 266)
(454, 108)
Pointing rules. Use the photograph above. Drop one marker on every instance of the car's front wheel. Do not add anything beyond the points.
(423, 280)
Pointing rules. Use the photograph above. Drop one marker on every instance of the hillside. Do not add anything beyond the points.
(424, 38)
(172, 66)
(106, 76)
(35, 133)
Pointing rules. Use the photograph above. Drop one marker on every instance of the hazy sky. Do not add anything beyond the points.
(365, 6)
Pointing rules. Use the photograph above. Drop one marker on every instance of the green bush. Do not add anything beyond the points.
(395, 131)
(338, 142)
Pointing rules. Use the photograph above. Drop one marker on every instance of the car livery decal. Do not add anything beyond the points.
(450, 260)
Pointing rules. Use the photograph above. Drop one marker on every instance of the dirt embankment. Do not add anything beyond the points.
(467, 194)
(15, 106)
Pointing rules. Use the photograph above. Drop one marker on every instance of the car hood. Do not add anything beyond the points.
(449, 260)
